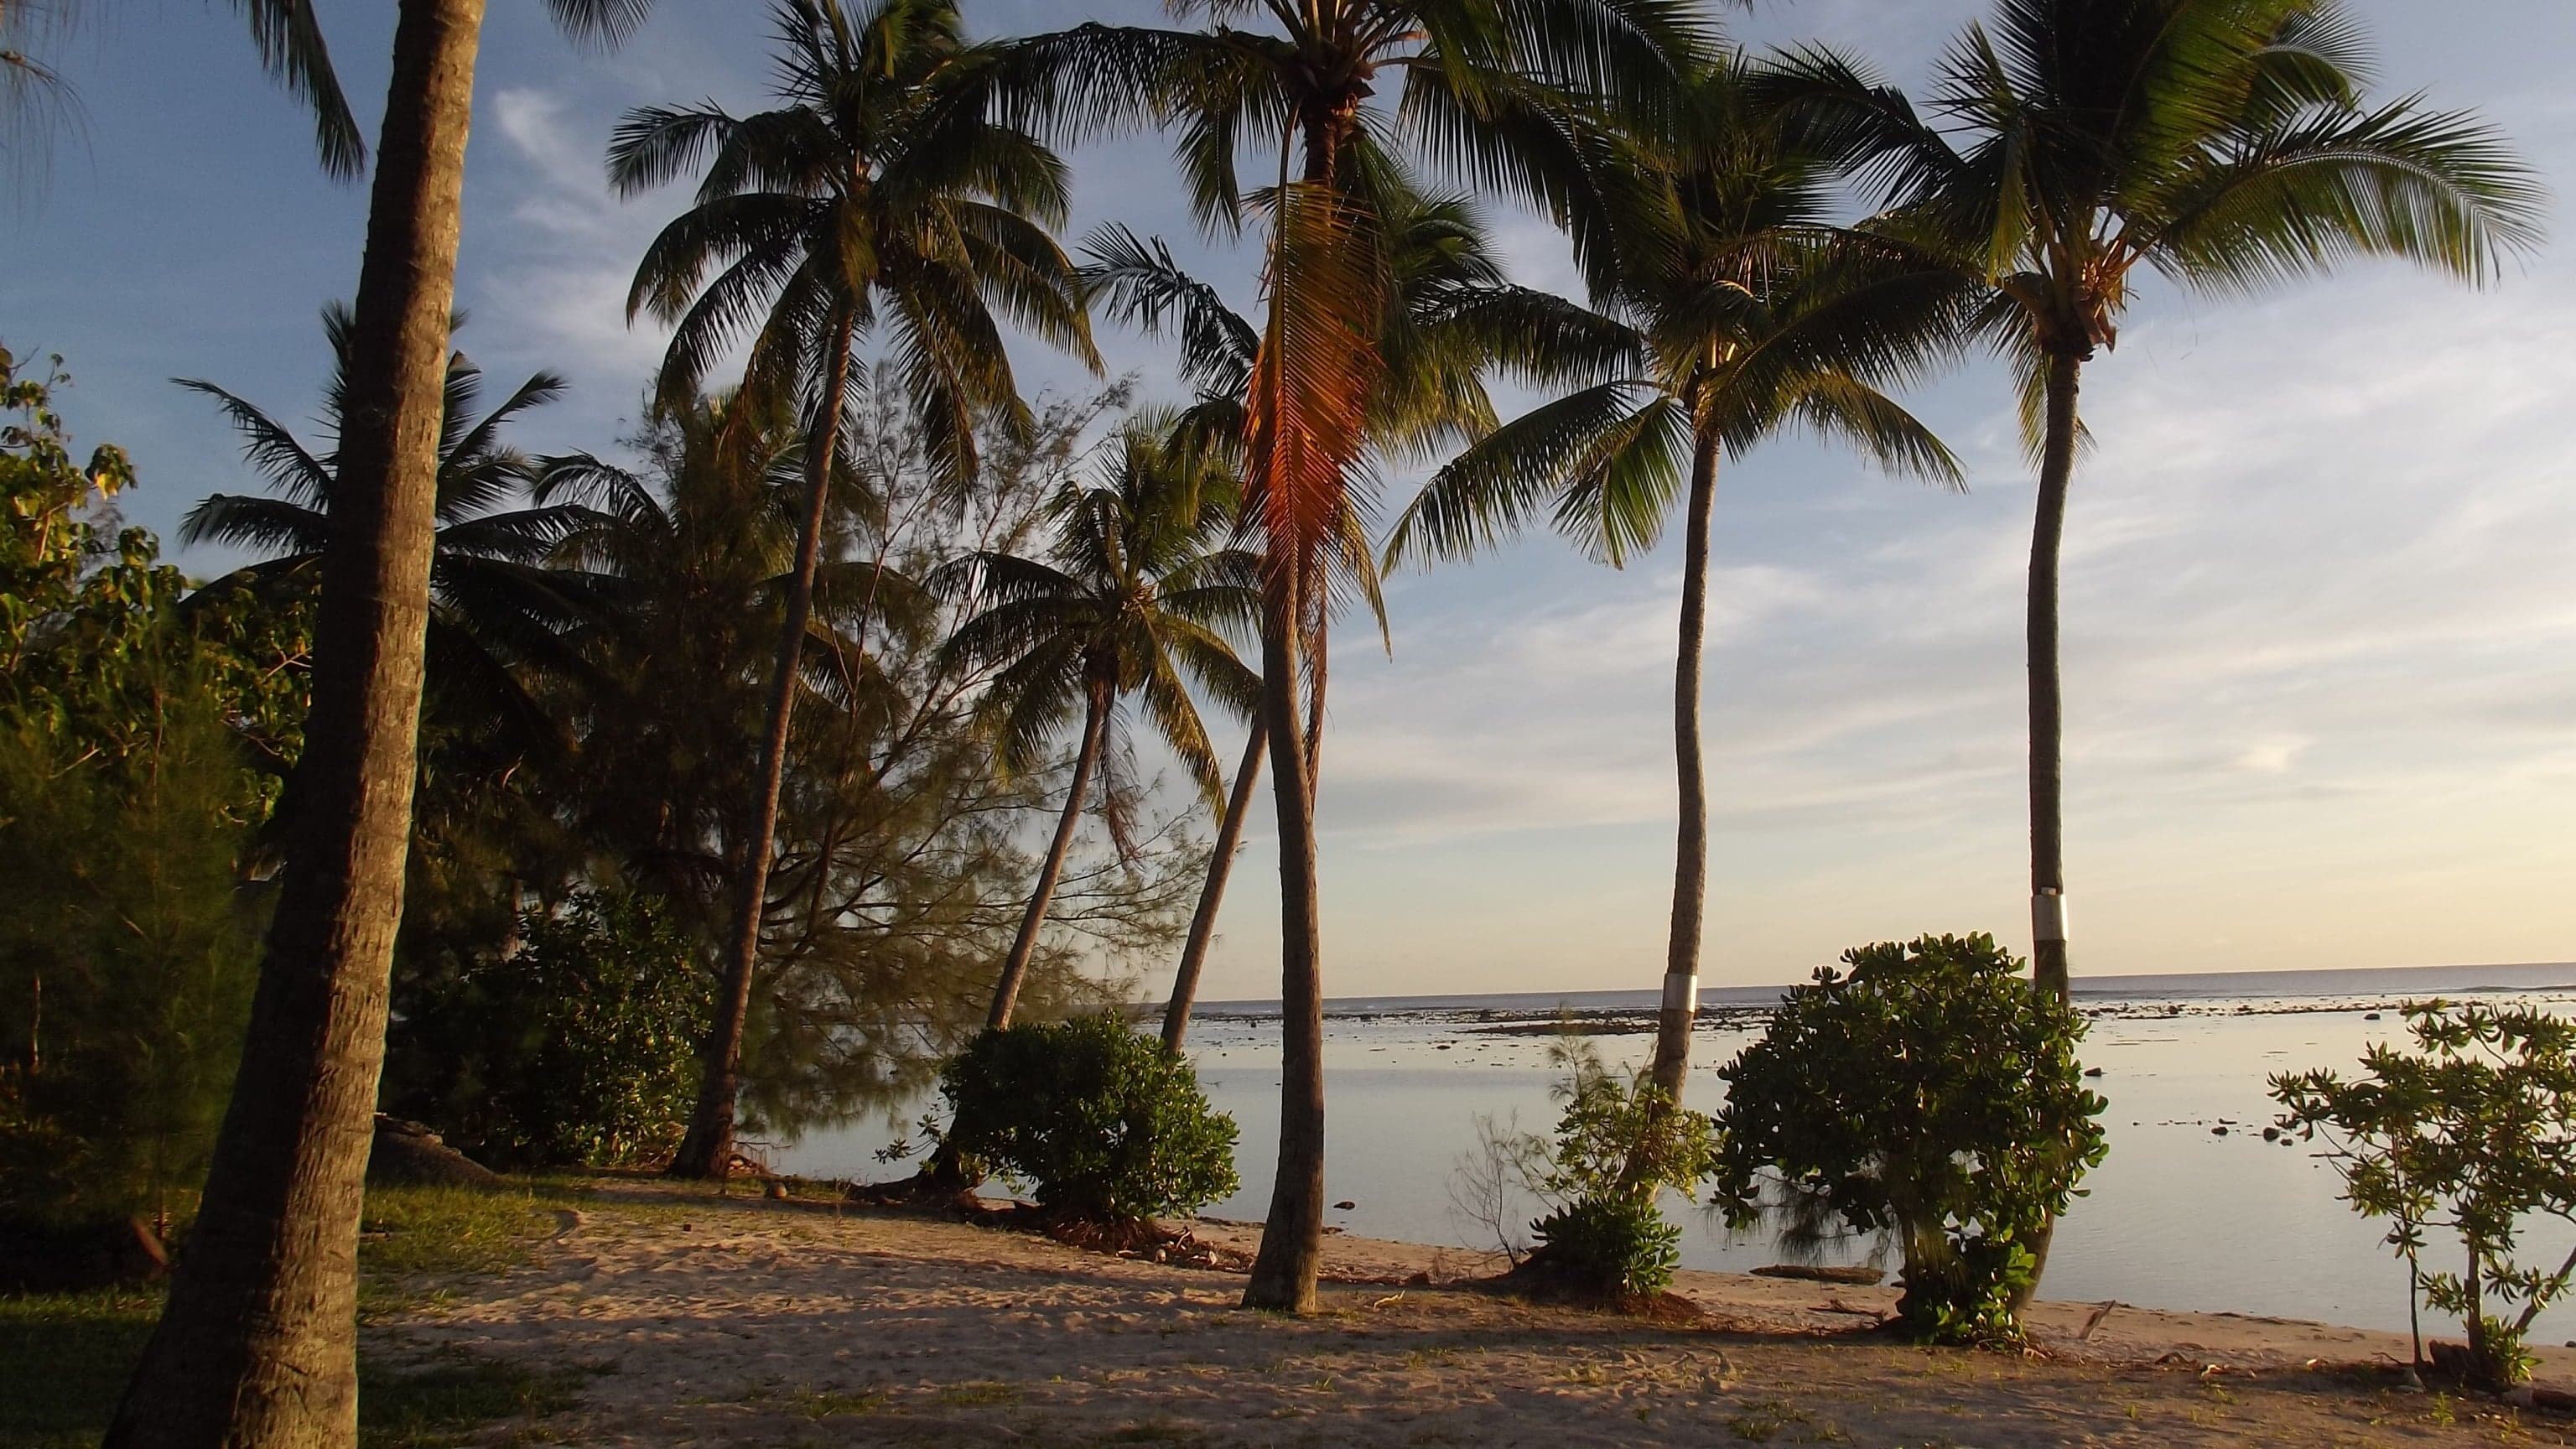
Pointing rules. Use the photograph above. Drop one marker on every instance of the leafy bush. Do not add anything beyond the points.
(1927, 1095)
(1613, 1244)
(2471, 1133)
(1102, 1122)
(1620, 1144)
(581, 1048)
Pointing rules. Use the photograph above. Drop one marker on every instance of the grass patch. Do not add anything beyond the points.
(426, 1406)
(979, 1394)
(64, 1357)
(821, 1404)
(63, 1361)
(416, 1231)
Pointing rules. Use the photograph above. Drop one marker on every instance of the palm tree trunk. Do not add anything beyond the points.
(2047, 715)
(1292, 1238)
(1015, 969)
(707, 1150)
(257, 1344)
(1229, 837)
(2047, 709)
(1690, 843)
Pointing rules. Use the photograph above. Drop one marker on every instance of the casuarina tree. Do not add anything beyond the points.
(879, 199)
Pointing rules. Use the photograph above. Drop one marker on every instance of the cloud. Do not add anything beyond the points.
(2314, 566)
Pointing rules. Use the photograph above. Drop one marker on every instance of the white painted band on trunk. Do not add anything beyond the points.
(1681, 993)
(2048, 916)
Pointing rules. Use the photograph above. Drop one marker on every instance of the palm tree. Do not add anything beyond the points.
(257, 1343)
(2225, 144)
(879, 191)
(493, 603)
(1451, 314)
(1736, 312)
(1135, 595)
(1498, 89)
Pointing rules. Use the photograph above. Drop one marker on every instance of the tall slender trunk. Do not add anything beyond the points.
(2047, 716)
(707, 1150)
(1690, 841)
(1229, 837)
(1292, 1238)
(257, 1344)
(2047, 709)
(1015, 969)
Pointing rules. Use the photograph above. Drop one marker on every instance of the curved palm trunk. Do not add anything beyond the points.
(257, 1345)
(1229, 838)
(707, 1150)
(1292, 1238)
(2047, 710)
(1690, 843)
(1015, 969)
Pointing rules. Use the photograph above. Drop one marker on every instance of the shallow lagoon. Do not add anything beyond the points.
(2177, 1217)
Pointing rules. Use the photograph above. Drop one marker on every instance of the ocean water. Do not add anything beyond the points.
(2179, 1216)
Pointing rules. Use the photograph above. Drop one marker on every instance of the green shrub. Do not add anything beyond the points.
(1928, 1095)
(1616, 1243)
(1100, 1121)
(2474, 1132)
(580, 1049)
(1620, 1145)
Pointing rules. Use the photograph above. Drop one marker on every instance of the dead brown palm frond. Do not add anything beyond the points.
(1307, 410)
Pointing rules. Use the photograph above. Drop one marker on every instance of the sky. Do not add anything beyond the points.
(2320, 601)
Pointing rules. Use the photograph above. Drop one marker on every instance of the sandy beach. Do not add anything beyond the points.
(693, 1321)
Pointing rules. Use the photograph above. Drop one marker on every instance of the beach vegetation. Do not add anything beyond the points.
(1621, 1145)
(2472, 1133)
(1097, 1120)
(1505, 93)
(1925, 1096)
(258, 1342)
(702, 795)
(1135, 599)
(1731, 311)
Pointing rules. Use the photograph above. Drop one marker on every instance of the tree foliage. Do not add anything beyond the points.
(1925, 1094)
(141, 742)
(2473, 1132)
(577, 1049)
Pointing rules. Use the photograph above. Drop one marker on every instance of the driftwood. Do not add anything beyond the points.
(1858, 1274)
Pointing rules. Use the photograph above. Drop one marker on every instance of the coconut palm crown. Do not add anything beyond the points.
(496, 604)
(1133, 599)
(1735, 312)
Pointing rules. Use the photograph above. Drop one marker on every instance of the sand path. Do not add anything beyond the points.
(744, 1322)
